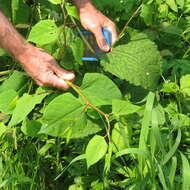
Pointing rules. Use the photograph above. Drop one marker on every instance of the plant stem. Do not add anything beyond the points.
(5, 72)
(77, 89)
(82, 36)
(126, 25)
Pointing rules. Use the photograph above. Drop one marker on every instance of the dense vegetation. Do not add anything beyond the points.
(124, 123)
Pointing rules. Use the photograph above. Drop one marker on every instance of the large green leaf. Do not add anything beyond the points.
(95, 150)
(31, 127)
(61, 114)
(84, 126)
(65, 117)
(6, 98)
(44, 32)
(121, 107)
(99, 89)
(139, 62)
(16, 81)
(24, 106)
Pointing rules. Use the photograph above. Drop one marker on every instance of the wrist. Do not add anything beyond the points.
(24, 52)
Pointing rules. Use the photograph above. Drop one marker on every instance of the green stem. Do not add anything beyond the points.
(126, 25)
(2, 73)
(82, 36)
(77, 89)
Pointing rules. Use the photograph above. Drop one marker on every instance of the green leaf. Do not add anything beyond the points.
(75, 46)
(121, 107)
(3, 128)
(6, 98)
(75, 187)
(72, 11)
(24, 106)
(31, 127)
(99, 89)
(172, 29)
(78, 158)
(61, 114)
(138, 62)
(77, 49)
(137, 151)
(170, 87)
(173, 171)
(173, 149)
(16, 81)
(162, 177)
(181, 3)
(6, 7)
(44, 32)
(185, 85)
(2, 52)
(56, 2)
(95, 150)
(172, 4)
(20, 12)
(147, 13)
(119, 137)
(84, 126)
(144, 133)
(186, 173)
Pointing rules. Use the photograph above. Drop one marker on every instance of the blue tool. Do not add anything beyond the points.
(88, 56)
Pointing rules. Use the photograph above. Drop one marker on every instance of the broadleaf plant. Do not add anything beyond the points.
(138, 62)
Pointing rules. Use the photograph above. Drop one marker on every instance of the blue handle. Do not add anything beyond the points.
(108, 36)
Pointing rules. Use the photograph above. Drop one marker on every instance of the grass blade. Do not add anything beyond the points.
(186, 173)
(173, 149)
(80, 157)
(131, 151)
(156, 132)
(145, 126)
(162, 178)
(172, 172)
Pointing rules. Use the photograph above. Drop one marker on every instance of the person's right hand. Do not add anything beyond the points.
(44, 69)
(94, 21)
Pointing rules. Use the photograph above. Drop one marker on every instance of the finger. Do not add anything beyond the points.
(57, 82)
(50, 79)
(101, 41)
(62, 73)
(112, 28)
(38, 83)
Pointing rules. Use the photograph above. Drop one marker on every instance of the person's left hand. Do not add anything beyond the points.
(94, 21)
(44, 69)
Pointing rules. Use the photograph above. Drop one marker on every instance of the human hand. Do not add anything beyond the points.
(94, 21)
(44, 69)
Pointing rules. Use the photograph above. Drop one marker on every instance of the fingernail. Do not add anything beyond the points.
(70, 76)
(105, 48)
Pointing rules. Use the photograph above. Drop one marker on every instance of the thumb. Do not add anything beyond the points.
(101, 41)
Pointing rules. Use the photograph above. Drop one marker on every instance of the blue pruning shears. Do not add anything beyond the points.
(108, 37)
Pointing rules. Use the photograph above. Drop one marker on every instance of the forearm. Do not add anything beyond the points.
(10, 39)
(83, 4)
